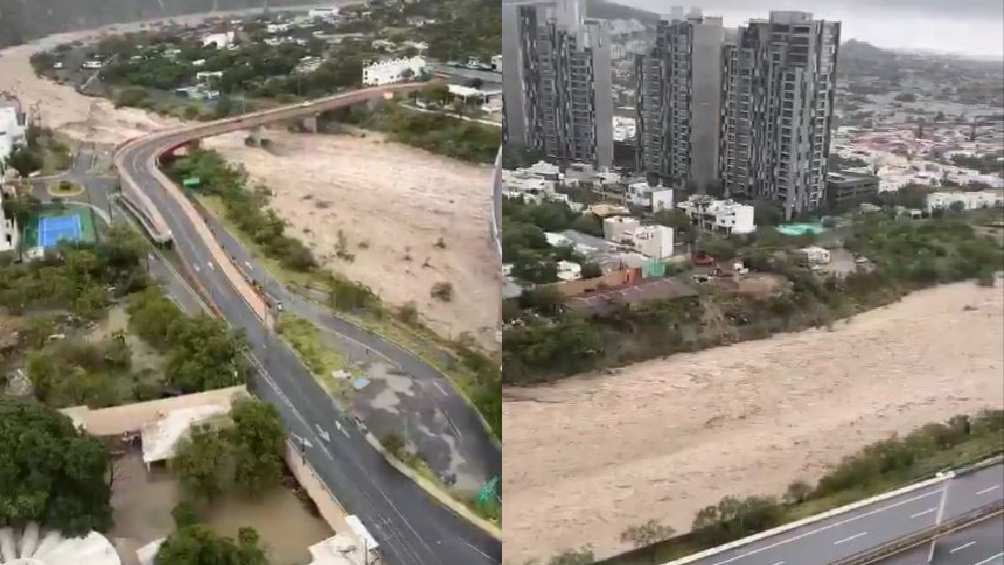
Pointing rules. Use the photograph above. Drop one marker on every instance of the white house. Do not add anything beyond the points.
(323, 13)
(569, 271)
(724, 216)
(206, 76)
(618, 229)
(277, 28)
(12, 129)
(221, 40)
(816, 255)
(654, 198)
(969, 200)
(393, 70)
(8, 230)
(655, 242)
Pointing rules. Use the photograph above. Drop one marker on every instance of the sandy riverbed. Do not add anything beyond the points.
(92, 120)
(391, 202)
(396, 199)
(659, 440)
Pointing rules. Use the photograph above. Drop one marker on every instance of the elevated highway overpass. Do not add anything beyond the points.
(410, 527)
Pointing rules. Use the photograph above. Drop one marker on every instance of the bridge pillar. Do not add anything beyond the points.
(310, 123)
(254, 137)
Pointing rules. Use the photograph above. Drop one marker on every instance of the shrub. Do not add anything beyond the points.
(408, 313)
(442, 291)
(132, 97)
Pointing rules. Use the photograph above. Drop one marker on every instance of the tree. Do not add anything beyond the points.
(766, 213)
(257, 442)
(581, 556)
(199, 545)
(442, 291)
(50, 472)
(133, 97)
(646, 534)
(591, 270)
(797, 492)
(204, 463)
(720, 248)
(24, 160)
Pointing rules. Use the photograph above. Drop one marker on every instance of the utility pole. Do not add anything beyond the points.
(946, 478)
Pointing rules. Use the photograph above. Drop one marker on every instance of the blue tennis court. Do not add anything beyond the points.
(53, 229)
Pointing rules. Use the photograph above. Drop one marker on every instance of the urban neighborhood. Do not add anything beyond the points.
(683, 201)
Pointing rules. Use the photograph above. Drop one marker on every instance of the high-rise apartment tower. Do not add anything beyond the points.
(557, 82)
(778, 83)
(679, 101)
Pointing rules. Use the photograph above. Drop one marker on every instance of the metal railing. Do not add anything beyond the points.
(908, 541)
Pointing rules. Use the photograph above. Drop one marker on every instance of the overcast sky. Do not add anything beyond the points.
(970, 27)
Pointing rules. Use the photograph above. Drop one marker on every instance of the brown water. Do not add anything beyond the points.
(142, 504)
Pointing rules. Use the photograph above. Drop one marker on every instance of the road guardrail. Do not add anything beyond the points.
(901, 544)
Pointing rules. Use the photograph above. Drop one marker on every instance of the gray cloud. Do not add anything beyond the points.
(970, 27)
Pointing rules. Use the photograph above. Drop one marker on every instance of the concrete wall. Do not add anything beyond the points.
(131, 417)
(327, 505)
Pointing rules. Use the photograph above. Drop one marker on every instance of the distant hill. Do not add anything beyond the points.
(24, 20)
(606, 10)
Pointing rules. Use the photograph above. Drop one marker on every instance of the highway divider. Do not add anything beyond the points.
(899, 545)
(828, 514)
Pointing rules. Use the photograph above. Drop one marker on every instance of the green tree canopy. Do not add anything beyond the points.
(198, 545)
(51, 473)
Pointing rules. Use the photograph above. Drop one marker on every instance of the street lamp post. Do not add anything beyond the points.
(946, 478)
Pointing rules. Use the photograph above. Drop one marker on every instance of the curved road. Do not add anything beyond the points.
(411, 528)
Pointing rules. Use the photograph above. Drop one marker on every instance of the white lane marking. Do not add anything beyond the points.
(961, 547)
(849, 538)
(341, 429)
(921, 513)
(992, 557)
(440, 387)
(989, 489)
(827, 527)
(778, 563)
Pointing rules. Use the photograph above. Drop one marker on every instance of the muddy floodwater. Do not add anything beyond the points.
(142, 504)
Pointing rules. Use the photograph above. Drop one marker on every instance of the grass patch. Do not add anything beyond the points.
(419, 465)
(322, 360)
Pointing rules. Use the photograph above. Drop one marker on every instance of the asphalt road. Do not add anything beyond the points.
(849, 533)
(471, 433)
(980, 544)
(410, 527)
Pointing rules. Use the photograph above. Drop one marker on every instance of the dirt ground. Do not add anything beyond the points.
(392, 203)
(659, 440)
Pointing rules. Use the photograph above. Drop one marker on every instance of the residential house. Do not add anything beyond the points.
(969, 200)
(13, 128)
(221, 40)
(8, 230)
(618, 229)
(722, 216)
(393, 70)
(654, 198)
